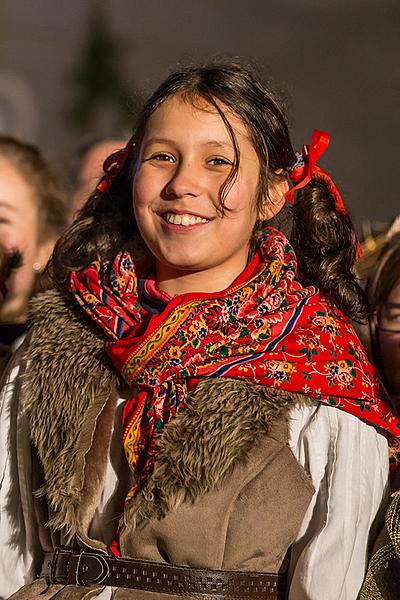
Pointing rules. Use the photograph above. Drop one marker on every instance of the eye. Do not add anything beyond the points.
(394, 316)
(161, 157)
(390, 317)
(219, 161)
(392, 312)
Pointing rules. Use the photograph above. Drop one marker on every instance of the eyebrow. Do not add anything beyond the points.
(213, 143)
(5, 204)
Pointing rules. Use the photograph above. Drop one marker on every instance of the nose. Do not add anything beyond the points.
(185, 181)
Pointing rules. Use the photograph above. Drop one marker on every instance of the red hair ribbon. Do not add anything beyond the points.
(306, 167)
(113, 165)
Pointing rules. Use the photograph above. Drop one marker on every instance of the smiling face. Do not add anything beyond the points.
(185, 157)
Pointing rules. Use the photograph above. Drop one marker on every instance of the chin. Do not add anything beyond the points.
(184, 263)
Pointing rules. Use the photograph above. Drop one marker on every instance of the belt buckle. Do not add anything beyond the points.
(96, 572)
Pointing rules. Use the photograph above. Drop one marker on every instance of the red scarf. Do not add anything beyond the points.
(266, 327)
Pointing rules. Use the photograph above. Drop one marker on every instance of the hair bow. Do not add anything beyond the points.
(113, 165)
(306, 167)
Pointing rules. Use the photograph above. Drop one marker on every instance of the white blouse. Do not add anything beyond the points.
(346, 459)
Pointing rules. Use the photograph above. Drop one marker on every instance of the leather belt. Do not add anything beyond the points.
(93, 568)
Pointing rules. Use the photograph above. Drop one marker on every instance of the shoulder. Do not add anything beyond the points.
(56, 321)
(65, 348)
(331, 435)
(320, 422)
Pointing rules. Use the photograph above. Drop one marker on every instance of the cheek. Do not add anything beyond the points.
(243, 194)
(146, 187)
(22, 280)
(24, 239)
(21, 232)
(138, 198)
(142, 209)
(241, 203)
(141, 204)
(12, 239)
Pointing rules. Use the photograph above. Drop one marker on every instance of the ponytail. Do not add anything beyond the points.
(323, 235)
(326, 245)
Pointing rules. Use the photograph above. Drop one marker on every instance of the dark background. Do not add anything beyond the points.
(68, 66)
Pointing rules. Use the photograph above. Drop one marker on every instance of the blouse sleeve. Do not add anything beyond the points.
(18, 543)
(347, 461)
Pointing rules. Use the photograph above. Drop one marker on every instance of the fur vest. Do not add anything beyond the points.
(226, 491)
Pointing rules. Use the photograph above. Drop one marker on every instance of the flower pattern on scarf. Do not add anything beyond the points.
(266, 327)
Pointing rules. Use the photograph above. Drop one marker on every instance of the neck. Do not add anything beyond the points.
(176, 282)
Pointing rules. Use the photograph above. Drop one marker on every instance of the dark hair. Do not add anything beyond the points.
(326, 245)
(52, 203)
(384, 276)
(106, 223)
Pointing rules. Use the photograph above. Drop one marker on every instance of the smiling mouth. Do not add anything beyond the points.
(185, 220)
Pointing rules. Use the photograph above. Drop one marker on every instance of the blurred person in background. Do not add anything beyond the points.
(383, 577)
(88, 168)
(33, 213)
(383, 289)
(372, 245)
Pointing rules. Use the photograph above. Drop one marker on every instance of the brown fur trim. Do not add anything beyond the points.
(223, 421)
(63, 399)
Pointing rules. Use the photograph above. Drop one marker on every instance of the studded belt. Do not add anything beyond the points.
(94, 568)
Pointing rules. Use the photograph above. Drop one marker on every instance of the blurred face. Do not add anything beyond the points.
(389, 340)
(91, 170)
(18, 231)
(186, 156)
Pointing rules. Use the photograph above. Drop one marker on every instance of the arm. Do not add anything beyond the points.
(348, 463)
(18, 543)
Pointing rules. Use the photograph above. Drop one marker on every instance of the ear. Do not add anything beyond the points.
(275, 200)
(45, 248)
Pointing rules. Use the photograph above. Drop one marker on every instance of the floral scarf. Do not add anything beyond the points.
(266, 327)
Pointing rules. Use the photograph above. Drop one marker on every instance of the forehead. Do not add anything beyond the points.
(182, 116)
(394, 295)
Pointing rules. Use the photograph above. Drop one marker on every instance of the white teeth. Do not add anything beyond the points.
(184, 220)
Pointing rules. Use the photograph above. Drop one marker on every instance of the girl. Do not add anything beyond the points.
(201, 414)
(33, 213)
